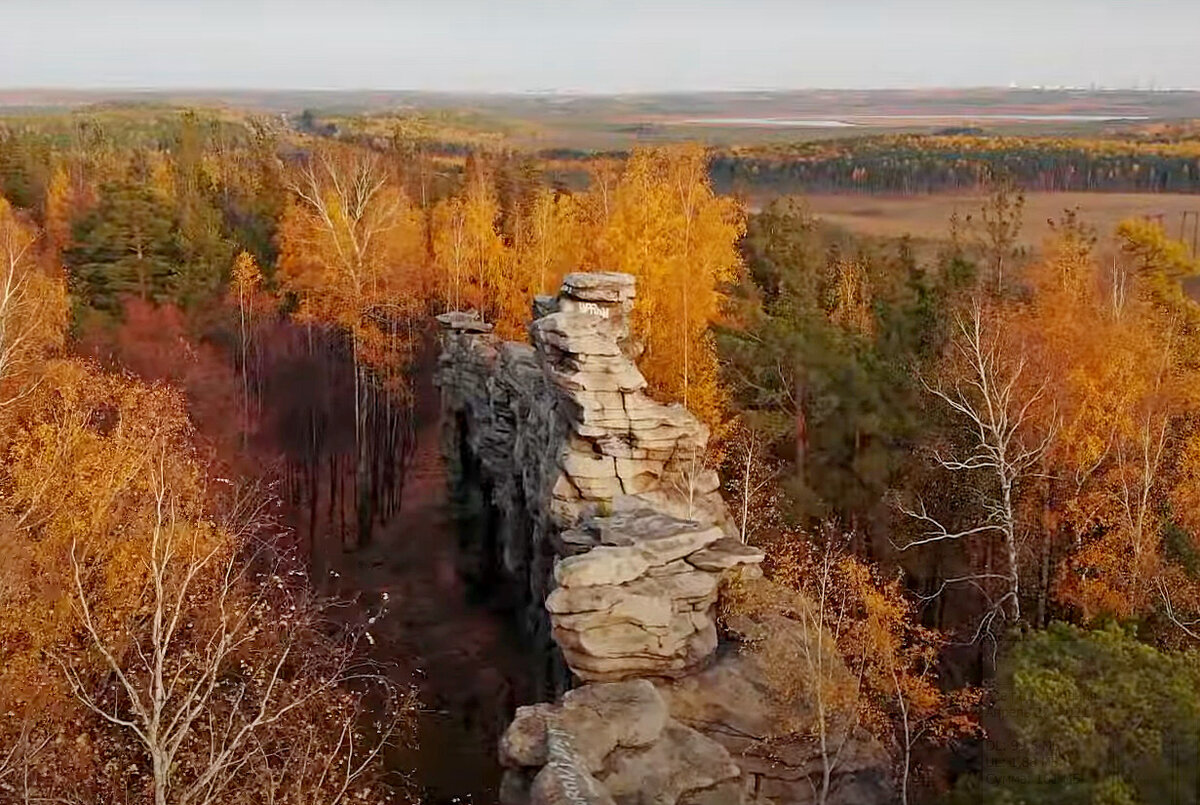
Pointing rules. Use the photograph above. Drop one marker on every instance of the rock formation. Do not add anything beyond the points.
(607, 521)
(563, 428)
(637, 591)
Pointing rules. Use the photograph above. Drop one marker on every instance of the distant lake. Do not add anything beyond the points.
(763, 121)
(859, 120)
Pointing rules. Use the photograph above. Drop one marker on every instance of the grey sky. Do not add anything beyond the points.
(619, 45)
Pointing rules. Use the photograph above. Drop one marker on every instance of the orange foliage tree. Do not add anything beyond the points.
(351, 249)
(476, 268)
(655, 217)
(154, 646)
(553, 239)
(1120, 344)
(844, 653)
(33, 304)
(150, 645)
(663, 223)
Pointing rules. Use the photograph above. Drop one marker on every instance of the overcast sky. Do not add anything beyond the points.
(619, 45)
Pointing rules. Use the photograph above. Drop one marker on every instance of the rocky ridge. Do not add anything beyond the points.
(618, 539)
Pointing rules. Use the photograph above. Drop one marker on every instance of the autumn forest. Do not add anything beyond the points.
(979, 459)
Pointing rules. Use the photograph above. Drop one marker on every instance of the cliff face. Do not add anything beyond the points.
(562, 431)
(606, 520)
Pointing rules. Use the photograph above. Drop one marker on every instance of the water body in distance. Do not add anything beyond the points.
(858, 120)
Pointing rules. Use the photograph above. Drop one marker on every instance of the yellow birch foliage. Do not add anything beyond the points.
(852, 303)
(352, 249)
(1124, 390)
(656, 217)
(33, 305)
(554, 239)
(105, 501)
(476, 269)
(449, 239)
(663, 224)
(247, 278)
(58, 209)
(77, 458)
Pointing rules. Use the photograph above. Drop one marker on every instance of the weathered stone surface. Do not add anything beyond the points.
(687, 588)
(681, 760)
(613, 640)
(555, 785)
(572, 541)
(640, 610)
(727, 792)
(574, 332)
(570, 600)
(724, 554)
(604, 564)
(618, 540)
(670, 568)
(543, 305)
(524, 742)
(657, 622)
(664, 539)
(579, 465)
(604, 716)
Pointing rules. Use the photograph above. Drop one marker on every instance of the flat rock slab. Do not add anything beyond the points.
(467, 321)
(651, 612)
(599, 286)
(724, 554)
(604, 564)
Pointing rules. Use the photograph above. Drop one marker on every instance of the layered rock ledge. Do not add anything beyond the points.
(561, 431)
(603, 517)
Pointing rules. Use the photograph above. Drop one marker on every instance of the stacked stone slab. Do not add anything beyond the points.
(637, 594)
(564, 427)
(614, 531)
(621, 441)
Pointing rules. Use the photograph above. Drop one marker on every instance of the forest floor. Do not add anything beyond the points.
(926, 216)
(439, 632)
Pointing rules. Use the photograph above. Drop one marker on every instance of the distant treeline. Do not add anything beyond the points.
(929, 164)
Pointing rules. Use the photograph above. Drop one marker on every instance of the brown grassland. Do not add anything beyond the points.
(921, 216)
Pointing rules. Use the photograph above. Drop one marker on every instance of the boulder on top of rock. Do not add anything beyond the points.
(543, 305)
(724, 554)
(599, 286)
(467, 321)
(635, 709)
(594, 720)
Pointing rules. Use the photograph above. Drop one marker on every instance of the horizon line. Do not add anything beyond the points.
(590, 92)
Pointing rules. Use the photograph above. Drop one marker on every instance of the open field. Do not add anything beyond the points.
(925, 217)
(536, 121)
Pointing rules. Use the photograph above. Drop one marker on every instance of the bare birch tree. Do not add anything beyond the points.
(225, 683)
(995, 402)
